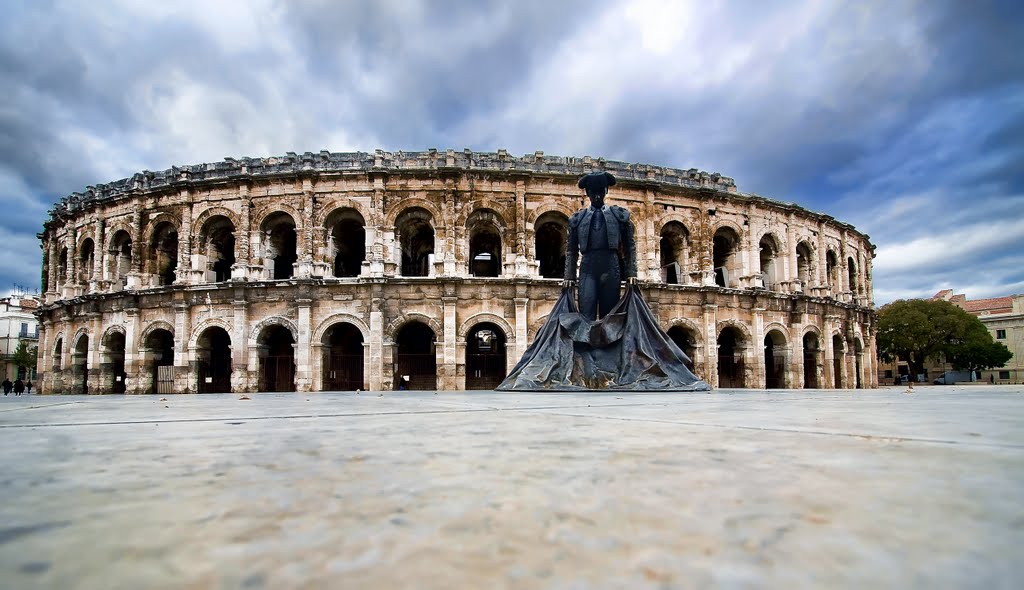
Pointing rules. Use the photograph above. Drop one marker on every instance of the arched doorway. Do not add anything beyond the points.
(276, 349)
(550, 236)
(768, 256)
(80, 365)
(163, 253)
(804, 268)
(674, 243)
(774, 360)
(811, 352)
(837, 361)
(217, 248)
(730, 358)
(832, 271)
(346, 242)
(414, 232)
(342, 358)
(279, 246)
(119, 259)
(159, 360)
(415, 362)
(485, 357)
(686, 340)
(113, 362)
(213, 352)
(86, 260)
(723, 256)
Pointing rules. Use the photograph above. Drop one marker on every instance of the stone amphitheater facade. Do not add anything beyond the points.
(375, 271)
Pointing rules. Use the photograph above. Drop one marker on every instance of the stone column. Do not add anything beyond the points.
(522, 329)
(183, 273)
(450, 355)
(303, 364)
(758, 366)
(303, 267)
(135, 278)
(791, 272)
(133, 356)
(71, 272)
(243, 255)
(96, 373)
(522, 261)
(185, 381)
(710, 319)
(375, 373)
(53, 260)
(242, 379)
(99, 280)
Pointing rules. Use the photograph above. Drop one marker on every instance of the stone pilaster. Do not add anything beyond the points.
(185, 380)
(377, 363)
(303, 360)
(243, 378)
(710, 321)
(449, 357)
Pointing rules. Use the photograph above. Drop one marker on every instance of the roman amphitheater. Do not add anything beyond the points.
(427, 270)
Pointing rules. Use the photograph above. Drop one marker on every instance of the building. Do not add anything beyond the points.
(17, 324)
(1004, 318)
(328, 271)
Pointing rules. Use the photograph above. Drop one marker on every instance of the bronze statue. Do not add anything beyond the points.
(602, 234)
(624, 350)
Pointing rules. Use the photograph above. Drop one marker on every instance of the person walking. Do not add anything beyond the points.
(28, 388)
(7, 385)
(19, 387)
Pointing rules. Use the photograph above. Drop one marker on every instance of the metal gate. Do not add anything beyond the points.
(215, 376)
(165, 379)
(421, 369)
(774, 372)
(485, 370)
(730, 372)
(344, 372)
(810, 371)
(279, 373)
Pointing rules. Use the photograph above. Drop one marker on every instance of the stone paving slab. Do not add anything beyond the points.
(735, 488)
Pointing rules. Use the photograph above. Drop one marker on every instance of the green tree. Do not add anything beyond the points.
(917, 329)
(25, 356)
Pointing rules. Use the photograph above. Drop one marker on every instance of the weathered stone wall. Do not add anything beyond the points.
(787, 271)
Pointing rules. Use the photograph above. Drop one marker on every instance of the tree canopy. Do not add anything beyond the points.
(24, 356)
(918, 329)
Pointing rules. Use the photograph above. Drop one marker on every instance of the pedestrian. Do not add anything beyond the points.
(7, 385)
(19, 387)
(28, 388)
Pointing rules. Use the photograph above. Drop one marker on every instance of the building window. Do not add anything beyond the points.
(1004, 375)
(24, 330)
(1000, 334)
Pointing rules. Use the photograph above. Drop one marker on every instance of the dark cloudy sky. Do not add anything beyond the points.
(905, 119)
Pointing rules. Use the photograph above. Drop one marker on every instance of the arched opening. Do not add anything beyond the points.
(86, 260)
(723, 256)
(416, 362)
(163, 253)
(803, 265)
(811, 352)
(112, 363)
(674, 246)
(62, 267)
(276, 350)
(485, 356)
(851, 271)
(213, 356)
(837, 361)
(769, 254)
(58, 355)
(858, 364)
(484, 244)
(550, 237)
(346, 242)
(832, 270)
(415, 235)
(279, 246)
(119, 259)
(343, 358)
(730, 358)
(217, 248)
(159, 360)
(774, 360)
(80, 366)
(686, 340)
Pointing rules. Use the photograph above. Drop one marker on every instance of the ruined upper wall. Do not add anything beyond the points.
(381, 161)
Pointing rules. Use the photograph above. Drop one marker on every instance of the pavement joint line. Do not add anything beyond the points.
(300, 416)
(37, 407)
(793, 431)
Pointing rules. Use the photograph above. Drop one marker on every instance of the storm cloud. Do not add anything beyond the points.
(903, 118)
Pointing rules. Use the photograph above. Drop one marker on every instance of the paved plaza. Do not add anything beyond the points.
(736, 488)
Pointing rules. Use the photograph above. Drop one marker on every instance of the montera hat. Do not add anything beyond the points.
(597, 180)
